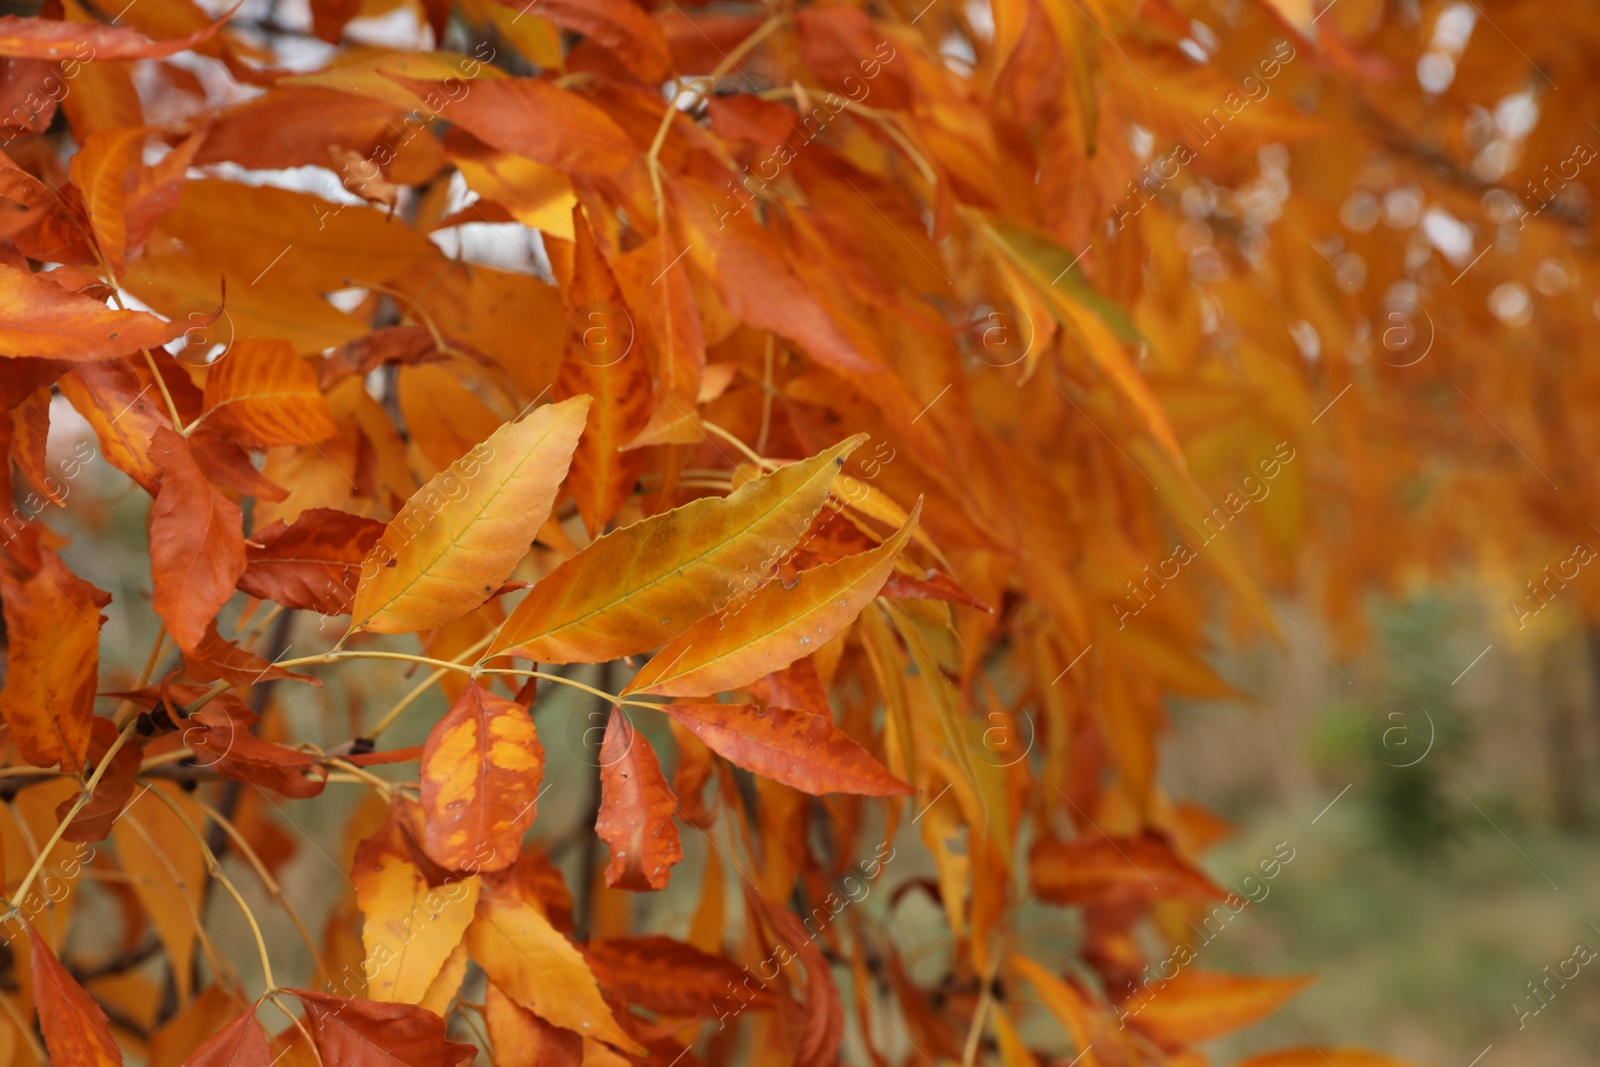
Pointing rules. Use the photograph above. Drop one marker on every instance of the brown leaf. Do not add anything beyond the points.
(54, 39)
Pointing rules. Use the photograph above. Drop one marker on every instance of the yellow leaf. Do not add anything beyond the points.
(636, 587)
(774, 627)
(539, 968)
(410, 929)
(168, 871)
(463, 533)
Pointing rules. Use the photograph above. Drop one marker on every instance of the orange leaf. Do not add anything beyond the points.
(1196, 1006)
(481, 770)
(312, 564)
(100, 171)
(75, 1030)
(196, 542)
(410, 927)
(364, 1033)
(242, 1043)
(54, 39)
(1096, 869)
(522, 1039)
(536, 119)
(773, 628)
(44, 319)
(620, 27)
(264, 394)
(646, 583)
(669, 977)
(797, 748)
(636, 810)
(463, 533)
(53, 621)
(603, 361)
(537, 967)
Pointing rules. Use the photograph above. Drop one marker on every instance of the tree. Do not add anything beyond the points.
(888, 393)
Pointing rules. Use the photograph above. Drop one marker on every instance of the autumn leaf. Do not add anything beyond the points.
(641, 585)
(669, 977)
(242, 1043)
(46, 320)
(264, 395)
(530, 960)
(1196, 1006)
(797, 748)
(1095, 869)
(362, 1032)
(603, 362)
(522, 1039)
(54, 39)
(774, 627)
(535, 118)
(410, 927)
(75, 1028)
(636, 809)
(196, 542)
(53, 624)
(481, 771)
(312, 564)
(464, 532)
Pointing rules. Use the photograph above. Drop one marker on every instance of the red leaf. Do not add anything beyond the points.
(365, 1033)
(94, 821)
(620, 27)
(75, 1030)
(636, 810)
(669, 977)
(44, 319)
(242, 1043)
(215, 658)
(794, 747)
(196, 542)
(220, 736)
(313, 564)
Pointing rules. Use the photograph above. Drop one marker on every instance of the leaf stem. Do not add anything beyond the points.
(273, 888)
(84, 797)
(421, 687)
(214, 868)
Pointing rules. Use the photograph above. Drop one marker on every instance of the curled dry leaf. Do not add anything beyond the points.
(365, 1033)
(464, 532)
(636, 809)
